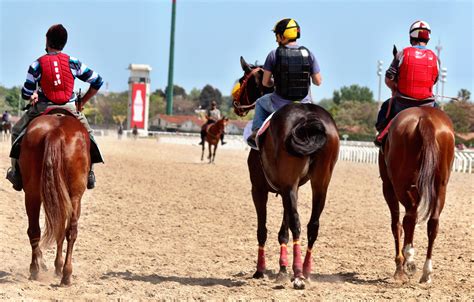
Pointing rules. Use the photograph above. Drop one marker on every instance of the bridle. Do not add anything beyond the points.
(242, 110)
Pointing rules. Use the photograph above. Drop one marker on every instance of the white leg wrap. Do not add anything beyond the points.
(409, 253)
(427, 270)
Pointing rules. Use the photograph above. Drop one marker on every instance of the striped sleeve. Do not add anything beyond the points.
(32, 78)
(85, 74)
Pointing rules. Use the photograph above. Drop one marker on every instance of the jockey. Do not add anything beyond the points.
(292, 67)
(5, 117)
(49, 84)
(213, 115)
(411, 77)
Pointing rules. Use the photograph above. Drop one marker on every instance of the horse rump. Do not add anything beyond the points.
(307, 136)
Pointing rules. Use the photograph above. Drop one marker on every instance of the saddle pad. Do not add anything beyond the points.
(248, 130)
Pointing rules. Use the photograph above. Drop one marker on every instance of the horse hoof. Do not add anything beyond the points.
(400, 276)
(65, 282)
(258, 275)
(411, 268)
(298, 283)
(34, 276)
(426, 279)
(282, 277)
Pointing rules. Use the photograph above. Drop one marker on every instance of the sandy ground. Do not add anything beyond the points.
(163, 225)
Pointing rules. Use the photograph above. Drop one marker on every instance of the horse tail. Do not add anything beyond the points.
(429, 166)
(54, 189)
(307, 136)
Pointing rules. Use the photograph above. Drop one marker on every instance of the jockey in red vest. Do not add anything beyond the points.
(50, 83)
(411, 77)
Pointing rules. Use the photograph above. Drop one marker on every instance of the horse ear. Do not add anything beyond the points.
(394, 51)
(245, 65)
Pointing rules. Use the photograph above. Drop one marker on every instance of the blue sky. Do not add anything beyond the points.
(347, 38)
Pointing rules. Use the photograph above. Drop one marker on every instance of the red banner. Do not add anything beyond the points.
(138, 105)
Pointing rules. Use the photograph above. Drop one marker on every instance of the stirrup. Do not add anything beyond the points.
(91, 180)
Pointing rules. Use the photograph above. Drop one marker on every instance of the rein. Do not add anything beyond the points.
(240, 109)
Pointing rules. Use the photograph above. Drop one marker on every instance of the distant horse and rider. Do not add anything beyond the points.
(301, 144)
(6, 126)
(213, 130)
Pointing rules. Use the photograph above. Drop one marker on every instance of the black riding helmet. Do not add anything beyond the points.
(56, 37)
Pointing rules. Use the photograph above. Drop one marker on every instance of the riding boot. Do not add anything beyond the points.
(91, 179)
(14, 176)
(251, 140)
(222, 140)
(203, 137)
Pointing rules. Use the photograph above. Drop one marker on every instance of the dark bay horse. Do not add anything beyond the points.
(213, 136)
(415, 166)
(300, 145)
(54, 164)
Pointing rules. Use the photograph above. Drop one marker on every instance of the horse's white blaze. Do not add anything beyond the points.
(409, 253)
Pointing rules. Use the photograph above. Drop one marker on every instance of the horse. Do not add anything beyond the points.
(415, 164)
(7, 130)
(54, 163)
(300, 145)
(213, 136)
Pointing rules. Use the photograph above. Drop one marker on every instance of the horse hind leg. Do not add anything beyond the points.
(260, 198)
(34, 233)
(59, 261)
(71, 236)
(290, 204)
(409, 223)
(283, 237)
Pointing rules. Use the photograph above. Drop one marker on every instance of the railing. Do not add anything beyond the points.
(364, 153)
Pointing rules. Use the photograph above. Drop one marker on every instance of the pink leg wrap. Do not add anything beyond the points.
(283, 255)
(307, 264)
(297, 264)
(261, 259)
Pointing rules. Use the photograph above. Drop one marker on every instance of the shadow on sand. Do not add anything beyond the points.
(156, 279)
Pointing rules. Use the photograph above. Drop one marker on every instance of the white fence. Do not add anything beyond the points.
(361, 152)
(364, 153)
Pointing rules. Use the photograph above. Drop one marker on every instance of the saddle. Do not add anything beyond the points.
(395, 107)
(260, 133)
(96, 155)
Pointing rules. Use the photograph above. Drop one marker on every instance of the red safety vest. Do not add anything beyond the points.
(418, 73)
(57, 81)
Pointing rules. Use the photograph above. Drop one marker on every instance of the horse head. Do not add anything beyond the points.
(248, 89)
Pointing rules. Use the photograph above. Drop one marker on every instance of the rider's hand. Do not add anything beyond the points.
(34, 98)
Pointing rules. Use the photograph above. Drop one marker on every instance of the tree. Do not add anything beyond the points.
(353, 93)
(178, 91)
(462, 115)
(464, 94)
(209, 94)
(13, 97)
(356, 116)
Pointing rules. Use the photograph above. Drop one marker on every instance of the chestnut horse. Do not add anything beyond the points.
(54, 164)
(213, 136)
(415, 166)
(300, 145)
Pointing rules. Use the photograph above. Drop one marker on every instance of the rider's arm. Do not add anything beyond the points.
(267, 80)
(28, 91)
(85, 74)
(316, 78)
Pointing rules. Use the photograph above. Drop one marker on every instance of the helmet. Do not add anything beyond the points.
(288, 28)
(56, 36)
(420, 30)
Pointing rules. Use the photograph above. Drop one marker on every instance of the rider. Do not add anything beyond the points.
(411, 77)
(5, 117)
(213, 115)
(49, 84)
(292, 67)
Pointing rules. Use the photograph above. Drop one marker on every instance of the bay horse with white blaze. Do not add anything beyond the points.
(213, 136)
(415, 165)
(54, 164)
(300, 145)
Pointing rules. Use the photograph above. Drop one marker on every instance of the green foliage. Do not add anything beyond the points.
(352, 93)
(209, 94)
(356, 116)
(13, 97)
(464, 94)
(462, 115)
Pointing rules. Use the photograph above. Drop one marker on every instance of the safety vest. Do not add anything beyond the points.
(292, 72)
(57, 81)
(418, 72)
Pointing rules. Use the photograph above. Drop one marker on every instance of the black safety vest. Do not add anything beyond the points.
(292, 72)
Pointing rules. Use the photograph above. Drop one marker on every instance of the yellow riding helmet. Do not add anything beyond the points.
(288, 28)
